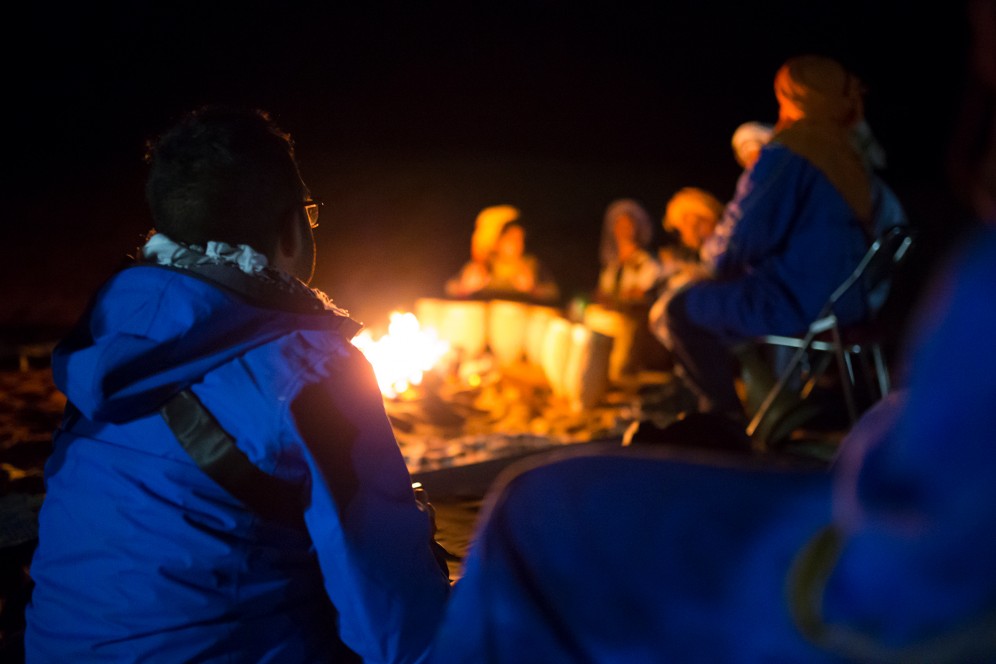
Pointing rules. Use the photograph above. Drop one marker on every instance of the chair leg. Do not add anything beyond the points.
(881, 370)
(846, 375)
(815, 373)
(779, 386)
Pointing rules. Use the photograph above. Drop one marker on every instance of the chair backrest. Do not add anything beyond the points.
(894, 245)
(875, 270)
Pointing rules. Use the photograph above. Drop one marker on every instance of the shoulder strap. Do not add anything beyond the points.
(215, 452)
(973, 640)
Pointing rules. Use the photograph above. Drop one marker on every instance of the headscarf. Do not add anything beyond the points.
(691, 199)
(820, 104)
(747, 133)
(641, 220)
(488, 227)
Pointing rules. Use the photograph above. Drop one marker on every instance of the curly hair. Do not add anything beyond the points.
(223, 174)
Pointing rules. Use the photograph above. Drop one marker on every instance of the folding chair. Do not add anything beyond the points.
(833, 341)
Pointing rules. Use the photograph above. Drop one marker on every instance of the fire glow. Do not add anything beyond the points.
(402, 356)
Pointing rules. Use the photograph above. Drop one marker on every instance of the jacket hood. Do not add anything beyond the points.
(152, 331)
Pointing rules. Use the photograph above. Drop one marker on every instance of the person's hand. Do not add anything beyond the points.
(633, 294)
(525, 282)
(441, 555)
(690, 273)
(422, 500)
(474, 278)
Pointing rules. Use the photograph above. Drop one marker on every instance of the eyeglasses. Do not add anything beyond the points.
(312, 207)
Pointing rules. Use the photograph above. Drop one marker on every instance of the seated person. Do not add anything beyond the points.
(691, 215)
(627, 282)
(650, 554)
(887, 210)
(690, 218)
(629, 271)
(760, 365)
(225, 484)
(499, 265)
(798, 226)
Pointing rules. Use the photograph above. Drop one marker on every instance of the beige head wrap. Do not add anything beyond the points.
(820, 103)
(488, 227)
(693, 212)
(748, 135)
(818, 88)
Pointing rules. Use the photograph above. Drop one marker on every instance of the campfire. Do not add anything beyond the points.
(470, 381)
(402, 356)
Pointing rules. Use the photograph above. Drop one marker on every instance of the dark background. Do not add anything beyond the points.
(411, 117)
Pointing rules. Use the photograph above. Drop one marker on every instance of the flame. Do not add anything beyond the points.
(403, 355)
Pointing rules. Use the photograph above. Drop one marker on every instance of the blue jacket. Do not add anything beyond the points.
(634, 555)
(647, 554)
(793, 241)
(142, 556)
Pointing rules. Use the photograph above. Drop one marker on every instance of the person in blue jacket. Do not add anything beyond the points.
(661, 553)
(225, 484)
(798, 224)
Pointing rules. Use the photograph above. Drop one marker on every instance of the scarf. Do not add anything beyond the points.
(820, 103)
(162, 250)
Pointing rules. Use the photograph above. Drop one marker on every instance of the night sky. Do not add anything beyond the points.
(409, 118)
